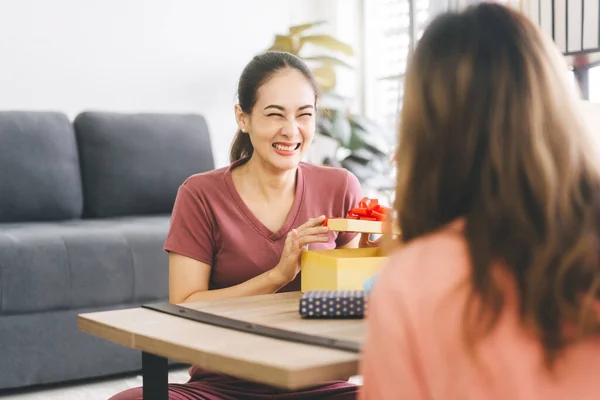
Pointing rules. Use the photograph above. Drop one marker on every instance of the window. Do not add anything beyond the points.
(512, 3)
(392, 28)
(594, 84)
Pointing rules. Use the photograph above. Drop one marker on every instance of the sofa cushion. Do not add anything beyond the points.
(84, 263)
(134, 163)
(39, 168)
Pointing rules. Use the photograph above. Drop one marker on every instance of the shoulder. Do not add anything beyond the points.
(414, 308)
(426, 269)
(205, 184)
(330, 178)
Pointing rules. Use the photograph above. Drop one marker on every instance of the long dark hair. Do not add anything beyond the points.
(255, 74)
(491, 132)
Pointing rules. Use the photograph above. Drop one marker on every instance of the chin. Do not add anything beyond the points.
(286, 164)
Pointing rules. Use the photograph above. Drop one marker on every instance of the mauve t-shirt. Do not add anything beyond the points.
(212, 224)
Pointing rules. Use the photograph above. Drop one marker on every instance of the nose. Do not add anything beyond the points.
(290, 128)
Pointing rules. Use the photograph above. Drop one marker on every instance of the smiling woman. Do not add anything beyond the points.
(276, 111)
(239, 230)
(282, 122)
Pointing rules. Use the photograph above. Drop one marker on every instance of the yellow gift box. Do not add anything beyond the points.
(339, 269)
(343, 269)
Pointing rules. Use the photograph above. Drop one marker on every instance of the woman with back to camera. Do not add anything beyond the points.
(495, 291)
(239, 231)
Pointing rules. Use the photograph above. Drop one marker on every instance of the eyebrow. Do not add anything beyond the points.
(282, 108)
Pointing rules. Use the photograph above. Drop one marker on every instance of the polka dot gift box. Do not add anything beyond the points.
(333, 304)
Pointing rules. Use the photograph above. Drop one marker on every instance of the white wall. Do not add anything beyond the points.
(136, 55)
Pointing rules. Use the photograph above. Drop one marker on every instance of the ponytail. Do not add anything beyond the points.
(241, 147)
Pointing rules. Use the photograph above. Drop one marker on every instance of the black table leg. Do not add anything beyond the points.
(155, 372)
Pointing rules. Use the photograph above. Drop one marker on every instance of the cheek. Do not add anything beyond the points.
(264, 128)
(308, 126)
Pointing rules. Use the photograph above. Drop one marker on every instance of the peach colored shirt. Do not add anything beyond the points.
(414, 348)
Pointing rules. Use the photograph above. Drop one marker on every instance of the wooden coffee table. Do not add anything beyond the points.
(251, 356)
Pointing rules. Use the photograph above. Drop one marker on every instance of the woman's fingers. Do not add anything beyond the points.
(288, 245)
(313, 231)
(297, 243)
(295, 239)
(364, 240)
(312, 222)
(305, 240)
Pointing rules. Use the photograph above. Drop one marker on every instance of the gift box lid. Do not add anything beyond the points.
(360, 226)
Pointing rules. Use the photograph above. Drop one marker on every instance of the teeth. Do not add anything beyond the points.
(284, 148)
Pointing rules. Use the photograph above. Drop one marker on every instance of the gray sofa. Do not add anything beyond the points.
(84, 211)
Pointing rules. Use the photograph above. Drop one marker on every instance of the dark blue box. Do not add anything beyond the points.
(333, 304)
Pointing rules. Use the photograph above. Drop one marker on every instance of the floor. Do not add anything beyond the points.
(100, 390)
(103, 390)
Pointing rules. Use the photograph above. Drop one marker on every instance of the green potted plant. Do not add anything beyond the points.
(361, 146)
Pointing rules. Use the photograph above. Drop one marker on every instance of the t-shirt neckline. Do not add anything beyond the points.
(249, 215)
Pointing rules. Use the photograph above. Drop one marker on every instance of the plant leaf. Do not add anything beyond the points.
(363, 154)
(358, 167)
(362, 140)
(372, 172)
(328, 60)
(336, 126)
(325, 77)
(298, 29)
(328, 42)
(324, 126)
(342, 131)
(367, 133)
(283, 43)
(333, 101)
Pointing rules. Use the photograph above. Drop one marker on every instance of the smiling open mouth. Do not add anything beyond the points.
(283, 147)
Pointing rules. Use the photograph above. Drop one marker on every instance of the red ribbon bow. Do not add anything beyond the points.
(369, 210)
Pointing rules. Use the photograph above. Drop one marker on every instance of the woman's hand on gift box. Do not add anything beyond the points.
(386, 241)
(365, 241)
(297, 240)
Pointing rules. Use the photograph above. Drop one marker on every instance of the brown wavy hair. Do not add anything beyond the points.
(491, 132)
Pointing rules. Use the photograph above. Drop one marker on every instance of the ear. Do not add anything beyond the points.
(241, 117)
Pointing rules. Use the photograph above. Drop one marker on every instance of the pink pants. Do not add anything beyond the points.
(205, 385)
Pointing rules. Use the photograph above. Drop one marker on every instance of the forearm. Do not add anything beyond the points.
(266, 283)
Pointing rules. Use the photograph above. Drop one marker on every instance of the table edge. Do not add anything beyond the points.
(286, 378)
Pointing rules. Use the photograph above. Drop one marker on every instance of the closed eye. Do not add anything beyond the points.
(306, 114)
(276, 114)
